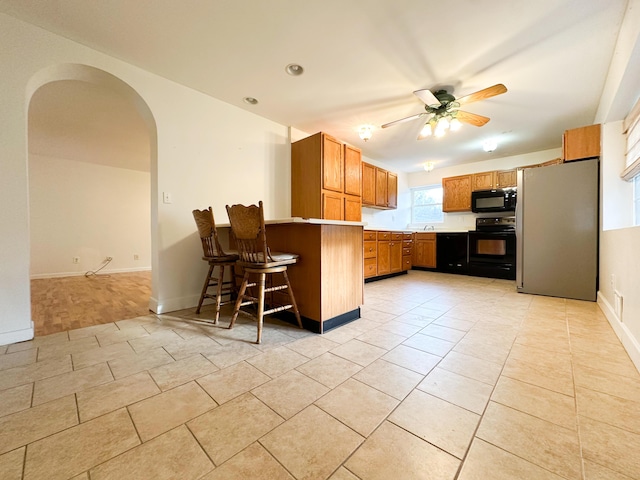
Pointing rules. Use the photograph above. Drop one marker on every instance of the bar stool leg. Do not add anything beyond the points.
(261, 287)
(236, 309)
(205, 287)
(219, 293)
(293, 300)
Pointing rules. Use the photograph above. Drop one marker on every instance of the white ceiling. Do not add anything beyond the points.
(364, 58)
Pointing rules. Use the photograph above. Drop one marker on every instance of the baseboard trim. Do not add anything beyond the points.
(39, 276)
(17, 336)
(174, 304)
(629, 342)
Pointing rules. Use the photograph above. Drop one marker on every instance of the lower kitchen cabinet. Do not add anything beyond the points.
(386, 253)
(395, 252)
(424, 250)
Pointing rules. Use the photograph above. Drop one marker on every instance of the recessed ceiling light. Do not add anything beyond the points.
(294, 69)
(250, 100)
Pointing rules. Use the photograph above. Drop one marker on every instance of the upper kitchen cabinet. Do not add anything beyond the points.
(352, 171)
(581, 143)
(456, 194)
(506, 178)
(392, 190)
(325, 179)
(379, 187)
(483, 181)
(368, 184)
(494, 179)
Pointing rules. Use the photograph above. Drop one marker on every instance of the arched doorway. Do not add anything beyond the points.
(92, 144)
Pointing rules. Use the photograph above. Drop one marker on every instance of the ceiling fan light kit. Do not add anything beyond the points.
(442, 107)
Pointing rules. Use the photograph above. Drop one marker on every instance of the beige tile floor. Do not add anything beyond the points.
(443, 377)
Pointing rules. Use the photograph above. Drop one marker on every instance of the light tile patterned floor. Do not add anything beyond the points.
(444, 377)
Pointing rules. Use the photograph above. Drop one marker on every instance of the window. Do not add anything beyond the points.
(426, 204)
(631, 128)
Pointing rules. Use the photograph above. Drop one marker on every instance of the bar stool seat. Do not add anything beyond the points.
(247, 226)
(216, 257)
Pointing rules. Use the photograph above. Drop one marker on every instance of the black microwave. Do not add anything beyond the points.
(498, 200)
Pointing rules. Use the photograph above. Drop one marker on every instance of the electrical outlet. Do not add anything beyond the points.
(166, 197)
(617, 304)
(136, 256)
(76, 259)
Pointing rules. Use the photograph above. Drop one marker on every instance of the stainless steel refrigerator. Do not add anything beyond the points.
(557, 230)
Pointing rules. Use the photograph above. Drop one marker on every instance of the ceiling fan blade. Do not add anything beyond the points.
(472, 118)
(402, 120)
(482, 94)
(427, 97)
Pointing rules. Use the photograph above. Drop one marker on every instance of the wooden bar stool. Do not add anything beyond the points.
(217, 257)
(247, 226)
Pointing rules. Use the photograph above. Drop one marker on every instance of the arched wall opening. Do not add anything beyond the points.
(92, 175)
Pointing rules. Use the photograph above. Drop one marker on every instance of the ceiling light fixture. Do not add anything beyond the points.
(439, 123)
(294, 69)
(250, 100)
(365, 132)
(489, 145)
(428, 166)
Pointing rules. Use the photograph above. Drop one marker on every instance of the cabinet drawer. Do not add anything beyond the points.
(407, 243)
(384, 235)
(408, 236)
(370, 249)
(370, 235)
(370, 267)
(396, 236)
(406, 251)
(406, 262)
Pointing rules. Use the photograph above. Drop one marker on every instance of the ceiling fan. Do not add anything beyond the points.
(442, 108)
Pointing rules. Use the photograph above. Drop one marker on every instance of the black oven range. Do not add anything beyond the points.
(492, 248)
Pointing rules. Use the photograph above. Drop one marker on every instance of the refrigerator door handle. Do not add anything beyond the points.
(519, 228)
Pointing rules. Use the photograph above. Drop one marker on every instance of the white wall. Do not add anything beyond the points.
(208, 153)
(619, 240)
(80, 209)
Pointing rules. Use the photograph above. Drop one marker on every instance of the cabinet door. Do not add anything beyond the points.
(583, 142)
(332, 165)
(395, 256)
(352, 171)
(430, 253)
(368, 184)
(392, 190)
(352, 208)
(424, 250)
(381, 187)
(332, 206)
(506, 178)
(456, 194)
(384, 257)
(482, 181)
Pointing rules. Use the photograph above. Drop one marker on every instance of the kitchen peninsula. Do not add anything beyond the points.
(327, 280)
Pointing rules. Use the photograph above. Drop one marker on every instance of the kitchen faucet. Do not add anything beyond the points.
(429, 227)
